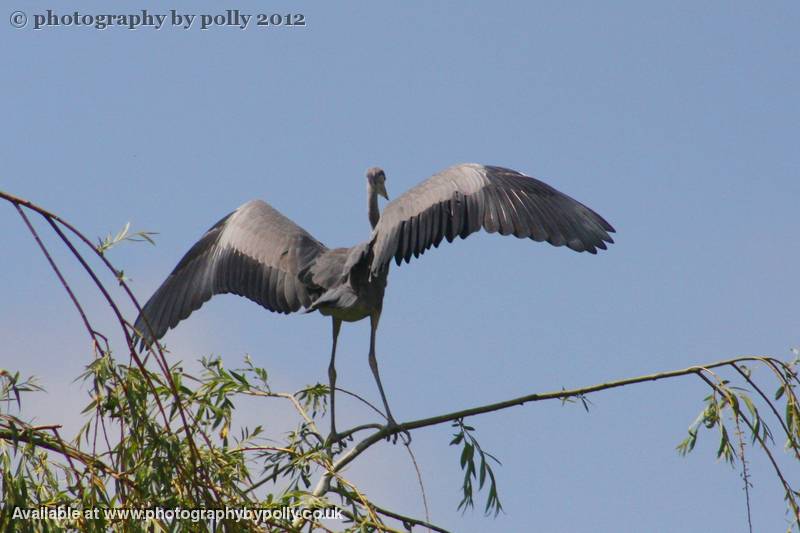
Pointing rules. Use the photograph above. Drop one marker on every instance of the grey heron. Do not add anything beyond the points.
(258, 253)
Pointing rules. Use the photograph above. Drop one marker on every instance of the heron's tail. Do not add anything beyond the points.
(341, 297)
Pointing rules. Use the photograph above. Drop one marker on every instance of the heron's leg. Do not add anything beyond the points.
(373, 364)
(337, 324)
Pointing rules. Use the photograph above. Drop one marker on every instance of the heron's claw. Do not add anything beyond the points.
(396, 430)
(337, 438)
(331, 439)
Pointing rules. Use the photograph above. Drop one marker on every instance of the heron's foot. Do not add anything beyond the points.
(331, 440)
(336, 438)
(395, 430)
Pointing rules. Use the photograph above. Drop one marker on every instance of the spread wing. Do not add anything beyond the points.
(254, 252)
(465, 198)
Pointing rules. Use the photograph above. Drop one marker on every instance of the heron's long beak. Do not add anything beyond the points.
(382, 191)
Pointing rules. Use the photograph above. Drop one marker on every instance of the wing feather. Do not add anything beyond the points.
(255, 252)
(465, 198)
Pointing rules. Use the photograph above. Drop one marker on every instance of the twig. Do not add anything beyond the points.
(764, 447)
(408, 519)
(29, 434)
(386, 431)
(419, 479)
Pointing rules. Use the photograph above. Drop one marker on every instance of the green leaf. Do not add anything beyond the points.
(779, 392)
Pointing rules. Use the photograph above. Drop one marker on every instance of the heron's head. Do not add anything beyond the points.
(376, 179)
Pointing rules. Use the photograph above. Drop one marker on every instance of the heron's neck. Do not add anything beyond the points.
(374, 212)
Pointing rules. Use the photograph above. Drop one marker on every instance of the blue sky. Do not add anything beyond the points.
(677, 122)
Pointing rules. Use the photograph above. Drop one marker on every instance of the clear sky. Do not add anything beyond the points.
(678, 122)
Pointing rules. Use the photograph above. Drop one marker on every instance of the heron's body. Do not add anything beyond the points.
(358, 296)
(258, 253)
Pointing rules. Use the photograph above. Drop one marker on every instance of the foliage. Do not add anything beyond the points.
(465, 437)
(723, 407)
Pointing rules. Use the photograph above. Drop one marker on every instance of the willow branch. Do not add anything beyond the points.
(34, 436)
(408, 519)
(56, 223)
(764, 447)
(775, 412)
(388, 431)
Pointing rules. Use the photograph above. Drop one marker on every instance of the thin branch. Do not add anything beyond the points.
(54, 221)
(419, 479)
(387, 431)
(345, 434)
(764, 447)
(30, 435)
(772, 407)
(59, 275)
(745, 473)
(362, 400)
(408, 519)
